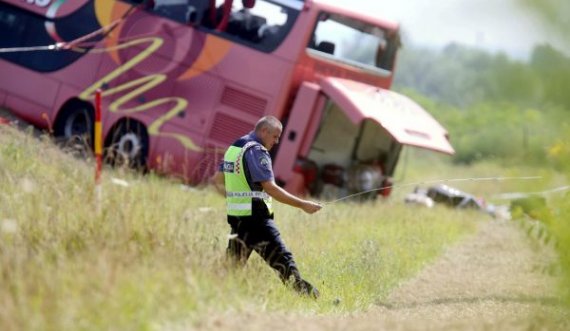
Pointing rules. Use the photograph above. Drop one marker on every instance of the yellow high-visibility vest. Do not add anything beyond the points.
(239, 195)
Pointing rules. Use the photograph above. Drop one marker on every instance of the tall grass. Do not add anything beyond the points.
(154, 255)
(560, 228)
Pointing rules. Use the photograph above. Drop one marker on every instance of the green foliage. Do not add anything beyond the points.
(559, 151)
(463, 76)
(494, 107)
(153, 257)
(533, 206)
(560, 228)
(553, 226)
(555, 70)
(555, 13)
(502, 131)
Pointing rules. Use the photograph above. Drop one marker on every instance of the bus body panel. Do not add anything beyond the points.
(304, 111)
(195, 89)
(32, 108)
(49, 8)
(23, 83)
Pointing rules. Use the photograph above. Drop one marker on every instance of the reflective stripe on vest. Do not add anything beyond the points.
(239, 196)
(250, 194)
(239, 206)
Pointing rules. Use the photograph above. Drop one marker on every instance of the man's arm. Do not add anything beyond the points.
(285, 197)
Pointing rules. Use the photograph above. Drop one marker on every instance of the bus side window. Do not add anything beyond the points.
(246, 25)
(259, 24)
(183, 11)
(326, 47)
(386, 52)
(12, 25)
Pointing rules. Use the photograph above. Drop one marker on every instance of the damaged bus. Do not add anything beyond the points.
(181, 79)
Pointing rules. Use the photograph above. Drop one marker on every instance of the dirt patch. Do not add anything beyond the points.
(498, 279)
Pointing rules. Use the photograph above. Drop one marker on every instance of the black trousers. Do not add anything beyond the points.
(260, 234)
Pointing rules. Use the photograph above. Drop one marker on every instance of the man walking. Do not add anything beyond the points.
(247, 175)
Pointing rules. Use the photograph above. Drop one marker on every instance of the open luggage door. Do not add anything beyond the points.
(349, 135)
(406, 121)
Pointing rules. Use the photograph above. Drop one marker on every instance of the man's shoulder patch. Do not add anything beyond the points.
(265, 162)
(229, 166)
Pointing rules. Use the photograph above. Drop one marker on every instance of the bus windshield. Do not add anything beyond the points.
(354, 42)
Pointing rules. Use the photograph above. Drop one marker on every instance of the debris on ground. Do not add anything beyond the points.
(452, 197)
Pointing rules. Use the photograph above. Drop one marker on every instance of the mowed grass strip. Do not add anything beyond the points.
(154, 256)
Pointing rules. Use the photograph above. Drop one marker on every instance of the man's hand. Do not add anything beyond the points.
(283, 196)
(311, 207)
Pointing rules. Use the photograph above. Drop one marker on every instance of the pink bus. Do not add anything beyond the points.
(181, 79)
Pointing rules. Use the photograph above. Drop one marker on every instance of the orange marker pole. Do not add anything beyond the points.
(98, 146)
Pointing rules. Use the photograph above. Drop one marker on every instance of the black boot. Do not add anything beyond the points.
(305, 288)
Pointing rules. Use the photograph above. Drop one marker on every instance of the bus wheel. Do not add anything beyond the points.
(74, 127)
(128, 145)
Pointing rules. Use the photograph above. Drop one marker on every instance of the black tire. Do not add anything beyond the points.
(128, 145)
(75, 126)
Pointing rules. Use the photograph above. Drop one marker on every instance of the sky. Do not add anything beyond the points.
(494, 25)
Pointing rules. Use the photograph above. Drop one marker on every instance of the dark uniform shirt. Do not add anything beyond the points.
(258, 161)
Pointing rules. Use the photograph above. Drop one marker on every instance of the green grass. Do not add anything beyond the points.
(154, 255)
(560, 228)
(552, 215)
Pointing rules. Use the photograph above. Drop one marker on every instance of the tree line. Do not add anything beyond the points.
(494, 107)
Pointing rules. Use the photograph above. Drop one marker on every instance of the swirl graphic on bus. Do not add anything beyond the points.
(50, 24)
(189, 59)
